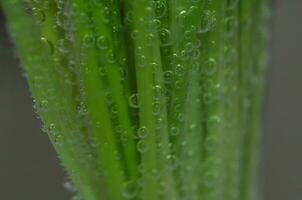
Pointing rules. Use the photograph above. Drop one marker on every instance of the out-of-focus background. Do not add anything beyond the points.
(29, 168)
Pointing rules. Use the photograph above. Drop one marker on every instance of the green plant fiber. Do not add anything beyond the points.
(148, 99)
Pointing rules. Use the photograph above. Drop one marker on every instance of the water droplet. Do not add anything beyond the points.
(134, 34)
(156, 108)
(142, 147)
(168, 77)
(128, 18)
(184, 55)
(173, 161)
(102, 71)
(107, 17)
(174, 131)
(158, 92)
(182, 17)
(134, 101)
(179, 70)
(208, 21)
(142, 132)
(211, 67)
(49, 46)
(110, 57)
(157, 23)
(165, 36)
(159, 123)
(160, 9)
(189, 47)
(214, 119)
(102, 42)
(69, 186)
(149, 38)
(188, 34)
(130, 190)
(181, 117)
(77, 197)
(39, 15)
(88, 40)
(179, 84)
(124, 137)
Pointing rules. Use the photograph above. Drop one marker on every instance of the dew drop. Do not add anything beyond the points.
(156, 108)
(49, 46)
(182, 17)
(110, 57)
(69, 187)
(158, 92)
(168, 77)
(134, 101)
(157, 23)
(39, 15)
(149, 38)
(179, 70)
(142, 146)
(102, 42)
(174, 131)
(179, 84)
(142, 132)
(134, 34)
(154, 66)
(128, 17)
(102, 71)
(173, 161)
(208, 21)
(181, 117)
(189, 47)
(130, 190)
(214, 119)
(184, 55)
(160, 9)
(76, 197)
(88, 40)
(159, 123)
(211, 67)
(165, 36)
(107, 15)
(188, 34)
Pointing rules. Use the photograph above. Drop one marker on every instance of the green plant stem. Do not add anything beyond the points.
(252, 30)
(96, 103)
(111, 63)
(212, 165)
(58, 114)
(230, 123)
(146, 52)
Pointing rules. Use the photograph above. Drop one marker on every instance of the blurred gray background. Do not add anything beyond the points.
(29, 169)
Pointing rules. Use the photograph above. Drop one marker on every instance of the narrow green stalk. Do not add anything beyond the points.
(146, 50)
(230, 123)
(58, 114)
(212, 164)
(252, 17)
(99, 113)
(111, 61)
